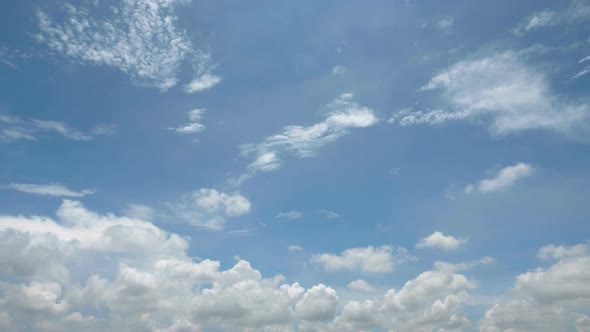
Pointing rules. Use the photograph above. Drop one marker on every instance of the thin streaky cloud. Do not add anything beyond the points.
(53, 189)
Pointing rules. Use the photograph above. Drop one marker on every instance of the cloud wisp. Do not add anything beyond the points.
(304, 142)
(53, 189)
(14, 128)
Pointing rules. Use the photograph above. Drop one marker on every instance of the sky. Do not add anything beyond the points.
(386, 165)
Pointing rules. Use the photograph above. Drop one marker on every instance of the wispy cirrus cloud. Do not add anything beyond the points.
(53, 189)
(503, 179)
(14, 128)
(576, 11)
(138, 37)
(303, 142)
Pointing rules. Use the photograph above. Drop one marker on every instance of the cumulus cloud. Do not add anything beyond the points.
(503, 90)
(48, 190)
(208, 208)
(440, 241)
(304, 142)
(140, 38)
(193, 126)
(13, 128)
(363, 259)
(504, 179)
(88, 271)
(545, 299)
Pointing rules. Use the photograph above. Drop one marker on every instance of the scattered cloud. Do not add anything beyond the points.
(53, 189)
(504, 179)
(537, 20)
(304, 142)
(294, 248)
(289, 215)
(360, 285)
(364, 259)
(194, 125)
(503, 89)
(440, 241)
(201, 83)
(140, 38)
(208, 208)
(560, 252)
(14, 128)
(545, 299)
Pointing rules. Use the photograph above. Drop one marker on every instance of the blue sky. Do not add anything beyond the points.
(184, 165)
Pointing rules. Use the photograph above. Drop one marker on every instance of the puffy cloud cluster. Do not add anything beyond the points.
(546, 299)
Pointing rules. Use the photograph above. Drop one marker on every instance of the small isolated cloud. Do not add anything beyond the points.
(194, 125)
(338, 70)
(360, 285)
(506, 92)
(140, 38)
(294, 248)
(289, 215)
(201, 83)
(304, 142)
(537, 20)
(504, 179)
(329, 214)
(13, 128)
(54, 189)
(208, 208)
(364, 259)
(440, 241)
(445, 23)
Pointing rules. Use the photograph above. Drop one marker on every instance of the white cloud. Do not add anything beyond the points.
(193, 126)
(360, 285)
(208, 208)
(560, 252)
(303, 142)
(364, 259)
(14, 128)
(504, 179)
(440, 241)
(454, 267)
(329, 214)
(445, 23)
(338, 70)
(503, 89)
(294, 248)
(48, 190)
(537, 20)
(140, 38)
(576, 12)
(93, 272)
(289, 215)
(201, 83)
(545, 299)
